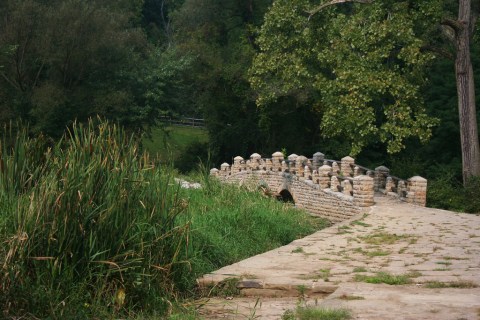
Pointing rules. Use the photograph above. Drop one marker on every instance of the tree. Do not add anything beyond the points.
(460, 33)
(76, 59)
(366, 62)
(218, 36)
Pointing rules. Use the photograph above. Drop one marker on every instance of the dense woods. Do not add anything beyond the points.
(374, 79)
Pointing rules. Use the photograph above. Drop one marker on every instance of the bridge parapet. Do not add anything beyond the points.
(343, 179)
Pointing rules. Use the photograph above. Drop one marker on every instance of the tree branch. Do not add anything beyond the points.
(454, 24)
(448, 33)
(15, 85)
(441, 51)
(331, 3)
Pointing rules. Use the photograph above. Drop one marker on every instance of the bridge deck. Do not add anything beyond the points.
(427, 245)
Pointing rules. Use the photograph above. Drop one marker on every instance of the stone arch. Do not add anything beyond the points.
(286, 196)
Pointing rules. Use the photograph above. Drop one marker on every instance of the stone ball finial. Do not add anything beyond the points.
(277, 154)
(319, 155)
(347, 158)
(292, 157)
(225, 165)
(302, 159)
(382, 168)
(213, 171)
(255, 156)
(417, 179)
(238, 158)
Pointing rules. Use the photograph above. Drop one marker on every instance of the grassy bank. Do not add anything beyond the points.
(93, 229)
(180, 145)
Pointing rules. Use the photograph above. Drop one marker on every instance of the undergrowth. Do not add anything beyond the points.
(91, 228)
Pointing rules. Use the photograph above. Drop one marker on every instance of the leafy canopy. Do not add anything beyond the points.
(363, 64)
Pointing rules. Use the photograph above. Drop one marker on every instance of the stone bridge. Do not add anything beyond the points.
(336, 190)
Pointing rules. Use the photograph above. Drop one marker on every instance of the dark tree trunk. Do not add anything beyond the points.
(466, 92)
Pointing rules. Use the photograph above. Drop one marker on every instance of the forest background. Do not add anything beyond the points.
(137, 61)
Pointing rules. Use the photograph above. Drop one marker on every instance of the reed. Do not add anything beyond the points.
(89, 222)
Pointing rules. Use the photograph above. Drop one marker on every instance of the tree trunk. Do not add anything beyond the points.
(466, 94)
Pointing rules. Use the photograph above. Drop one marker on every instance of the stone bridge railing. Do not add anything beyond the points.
(343, 178)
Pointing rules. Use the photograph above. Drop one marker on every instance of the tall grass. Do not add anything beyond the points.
(91, 224)
(230, 223)
(91, 228)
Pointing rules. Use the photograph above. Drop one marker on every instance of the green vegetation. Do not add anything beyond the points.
(350, 297)
(383, 238)
(360, 269)
(93, 228)
(455, 284)
(184, 146)
(336, 84)
(316, 313)
(385, 277)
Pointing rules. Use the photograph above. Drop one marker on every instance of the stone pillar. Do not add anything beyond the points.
(284, 166)
(214, 172)
(381, 174)
(363, 191)
(318, 158)
(307, 173)
(335, 168)
(347, 187)
(357, 171)
(334, 184)
(315, 177)
(324, 176)
(225, 170)
(417, 191)
(389, 185)
(346, 166)
(277, 159)
(292, 162)
(370, 173)
(268, 164)
(401, 189)
(255, 161)
(237, 164)
(300, 163)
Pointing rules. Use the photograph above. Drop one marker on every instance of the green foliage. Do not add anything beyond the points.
(316, 313)
(185, 146)
(384, 277)
(96, 230)
(447, 192)
(92, 228)
(75, 59)
(224, 232)
(363, 65)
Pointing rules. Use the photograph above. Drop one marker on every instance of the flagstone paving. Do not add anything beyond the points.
(428, 247)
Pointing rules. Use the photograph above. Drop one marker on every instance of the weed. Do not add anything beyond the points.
(360, 223)
(384, 277)
(360, 269)
(298, 250)
(455, 258)
(413, 274)
(378, 253)
(350, 297)
(316, 313)
(455, 284)
(383, 238)
(302, 290)
(320, 274)
(227, 287)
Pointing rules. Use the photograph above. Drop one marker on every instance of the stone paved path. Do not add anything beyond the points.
(422, 244)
